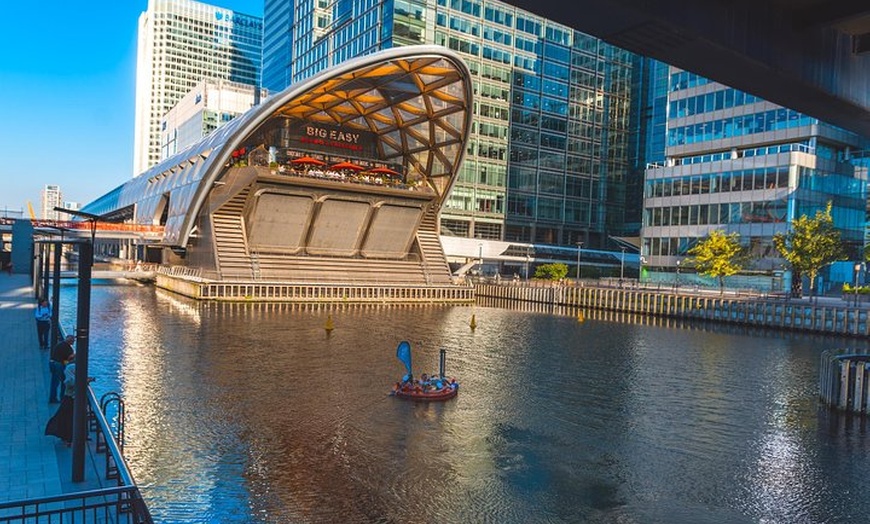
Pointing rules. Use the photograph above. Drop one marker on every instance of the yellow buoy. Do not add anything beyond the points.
(580, 317)
(473, 323)
(329, 324)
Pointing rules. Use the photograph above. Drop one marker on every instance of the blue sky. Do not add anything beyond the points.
(67, 90)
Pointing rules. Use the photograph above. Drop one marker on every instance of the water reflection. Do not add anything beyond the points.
(255, 413)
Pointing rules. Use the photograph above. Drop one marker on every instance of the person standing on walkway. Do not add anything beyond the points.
(61, 424)
(60, 355)
(43, 322)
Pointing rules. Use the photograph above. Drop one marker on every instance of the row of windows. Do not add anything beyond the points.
(710, 102)
(489, 71)
(755, 212)
(468, 7)
(728, 181)
(491, 111)
(743, 153)
(492, 91)
(529, 180)
(686, 80)
(474, 173)
(669, 247)
(550, 209)
(772, 120)
(489, 130)
(463, 198)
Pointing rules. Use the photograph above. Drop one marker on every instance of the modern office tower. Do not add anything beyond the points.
(209, 105)
(737, 163)
(548, 152)
(180, 43)
(52, 197)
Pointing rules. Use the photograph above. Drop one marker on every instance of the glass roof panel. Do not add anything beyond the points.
(407, 116)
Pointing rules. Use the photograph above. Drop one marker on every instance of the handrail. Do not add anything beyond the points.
(125, 478)
(24, 516)
(123, 503)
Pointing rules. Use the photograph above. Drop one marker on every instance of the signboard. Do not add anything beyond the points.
(335, 140)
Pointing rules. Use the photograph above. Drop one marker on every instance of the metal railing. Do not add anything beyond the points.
(122, 504)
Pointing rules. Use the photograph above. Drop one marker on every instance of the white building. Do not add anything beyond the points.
(208, 106)
(51, 198)
(740, 164)
(72, 206)
(180, 43)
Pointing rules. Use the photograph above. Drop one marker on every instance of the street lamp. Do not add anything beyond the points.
(857, 274)
(622, 266)
(677, 282)
(579, 246)
(480, 258)
(528, 258)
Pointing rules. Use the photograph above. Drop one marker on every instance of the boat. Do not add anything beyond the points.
(415, 390)
(434, 388)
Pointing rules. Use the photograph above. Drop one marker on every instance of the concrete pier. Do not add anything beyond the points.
(844, 381)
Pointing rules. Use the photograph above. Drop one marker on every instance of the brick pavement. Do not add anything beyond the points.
(31, 464)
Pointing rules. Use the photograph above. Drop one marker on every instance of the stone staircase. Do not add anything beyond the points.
(434, 262)
(231, 246)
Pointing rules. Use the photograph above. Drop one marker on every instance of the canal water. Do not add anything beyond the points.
(254, 413)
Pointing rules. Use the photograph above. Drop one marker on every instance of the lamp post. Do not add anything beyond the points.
(857, 274)
(622, 267)
(528, 258)
(677, 281)
(480, 258)
(579, 246)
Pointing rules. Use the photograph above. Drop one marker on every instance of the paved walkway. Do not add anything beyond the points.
(31, 464)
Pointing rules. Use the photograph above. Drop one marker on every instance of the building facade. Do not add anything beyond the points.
(209, 105)
(737, 163)
(548, 154)
(51, 197)
(180, 42)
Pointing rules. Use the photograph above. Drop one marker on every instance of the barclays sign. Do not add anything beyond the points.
(238, 20)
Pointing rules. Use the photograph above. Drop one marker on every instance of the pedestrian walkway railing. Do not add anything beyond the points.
(122, 504)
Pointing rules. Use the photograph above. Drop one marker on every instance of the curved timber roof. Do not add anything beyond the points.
(415, 100)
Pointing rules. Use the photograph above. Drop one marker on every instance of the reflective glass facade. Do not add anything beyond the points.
(180, 43)
(547, 156)
(737, 163)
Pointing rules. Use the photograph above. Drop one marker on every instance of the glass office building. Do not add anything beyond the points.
(181, 42)
(548, 152)
(740, 164)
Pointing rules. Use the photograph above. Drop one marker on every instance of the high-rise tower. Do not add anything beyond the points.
(182, 42)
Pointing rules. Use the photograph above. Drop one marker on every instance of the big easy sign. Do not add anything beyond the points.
(334, 140)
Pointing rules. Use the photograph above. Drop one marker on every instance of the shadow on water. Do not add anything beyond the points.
(256, 413)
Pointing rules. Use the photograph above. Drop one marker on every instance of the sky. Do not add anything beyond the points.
(67, 91)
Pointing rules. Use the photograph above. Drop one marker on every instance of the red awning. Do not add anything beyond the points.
(308, 160)
(346, 165)
(384, 171)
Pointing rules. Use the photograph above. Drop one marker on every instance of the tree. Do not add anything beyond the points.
(551, 271)
(808, 246)
(718, 256)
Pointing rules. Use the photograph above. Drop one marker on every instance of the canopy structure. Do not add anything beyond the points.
(414, 101)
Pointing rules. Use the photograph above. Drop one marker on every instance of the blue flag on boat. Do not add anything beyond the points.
(403, 353)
